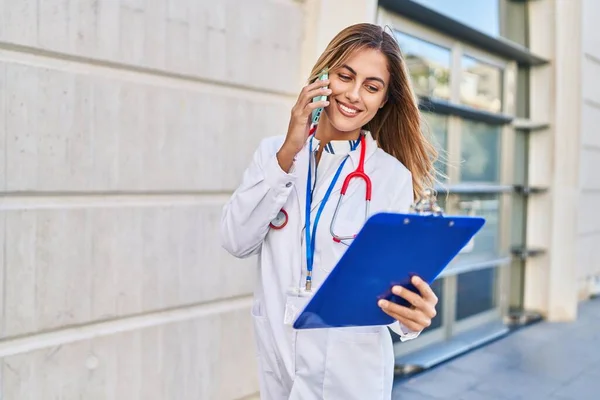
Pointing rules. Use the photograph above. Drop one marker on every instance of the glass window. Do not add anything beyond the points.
(480, 152)
(485, 243)
(515, 21)
(481, 85)
(437, 130)
(475, 292)
(441, 200)
(483, 15)
(519, 203)
(523, 92)
(428, 65)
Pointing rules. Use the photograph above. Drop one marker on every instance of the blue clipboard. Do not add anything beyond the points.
(388, 251)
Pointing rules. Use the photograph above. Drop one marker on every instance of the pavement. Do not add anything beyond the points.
(554, 361)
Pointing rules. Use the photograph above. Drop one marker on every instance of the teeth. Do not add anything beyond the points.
(347, 109)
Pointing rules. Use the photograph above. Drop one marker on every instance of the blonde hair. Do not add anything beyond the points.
(396, 126)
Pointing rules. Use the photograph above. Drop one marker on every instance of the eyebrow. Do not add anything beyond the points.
(371, 78)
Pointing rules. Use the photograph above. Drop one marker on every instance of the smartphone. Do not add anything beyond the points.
(316, 114)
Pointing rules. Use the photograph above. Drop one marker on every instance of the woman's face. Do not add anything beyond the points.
(358, 90)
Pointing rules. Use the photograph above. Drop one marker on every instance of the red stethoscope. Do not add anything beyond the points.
(280, 221)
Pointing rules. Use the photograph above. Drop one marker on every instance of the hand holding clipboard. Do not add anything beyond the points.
(389, 250)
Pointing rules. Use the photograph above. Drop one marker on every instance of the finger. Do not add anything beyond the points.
(306, 99)
(397, 310)
(308, 96)
(317, 104)
(410, 324)
(409, 318)
(413, 298)
(304, 113)
(424, 288)
(417, 301)
(316, 84)
(310, 90)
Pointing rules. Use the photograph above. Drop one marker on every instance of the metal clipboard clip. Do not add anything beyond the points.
(427, 205)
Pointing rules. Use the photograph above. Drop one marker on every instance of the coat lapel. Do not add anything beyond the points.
(301, 167)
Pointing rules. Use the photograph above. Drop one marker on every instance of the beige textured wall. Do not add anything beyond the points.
(589, 203)
(124, 126)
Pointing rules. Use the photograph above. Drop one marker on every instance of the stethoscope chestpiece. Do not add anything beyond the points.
(427, 205)
(280, 221)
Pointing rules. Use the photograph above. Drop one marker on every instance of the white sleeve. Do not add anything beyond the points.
(401, 203)
(256, 202)
(404, 333)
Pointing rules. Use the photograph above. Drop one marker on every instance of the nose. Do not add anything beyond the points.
(353, 93)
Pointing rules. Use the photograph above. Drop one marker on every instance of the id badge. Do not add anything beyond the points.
(295, 302)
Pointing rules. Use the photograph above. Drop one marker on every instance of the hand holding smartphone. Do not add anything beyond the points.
(306, 111)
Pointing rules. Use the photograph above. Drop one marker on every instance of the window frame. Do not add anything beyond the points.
(457, 112)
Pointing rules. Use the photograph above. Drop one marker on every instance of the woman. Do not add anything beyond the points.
(369, 103)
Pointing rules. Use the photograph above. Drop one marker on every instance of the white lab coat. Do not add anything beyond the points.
(340, 363)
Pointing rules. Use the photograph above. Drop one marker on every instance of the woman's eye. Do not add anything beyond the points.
(372, 88)
(344, 77)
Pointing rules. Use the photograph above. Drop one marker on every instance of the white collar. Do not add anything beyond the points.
(340, 147)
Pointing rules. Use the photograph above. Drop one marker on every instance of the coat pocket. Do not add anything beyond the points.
(268, 366)
(355, 364)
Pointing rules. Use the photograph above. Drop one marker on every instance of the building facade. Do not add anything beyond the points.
(124, 126)
(128, 123)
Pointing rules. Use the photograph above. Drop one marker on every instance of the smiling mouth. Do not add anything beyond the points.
(347, 110)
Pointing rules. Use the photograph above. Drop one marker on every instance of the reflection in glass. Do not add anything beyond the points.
(519, 204)
(521, 160)
(476, 292)
(480, 152)
(517, 280)
(486, 241)
(437, 131)
(523, 80)
(481, 85)
(483, 15)
(428, 65)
